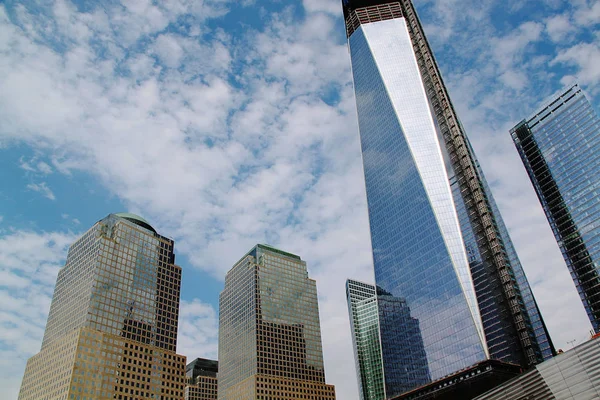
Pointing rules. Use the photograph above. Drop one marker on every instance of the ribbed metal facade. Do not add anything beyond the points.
(574, 375)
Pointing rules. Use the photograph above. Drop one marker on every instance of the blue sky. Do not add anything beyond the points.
(228, 123)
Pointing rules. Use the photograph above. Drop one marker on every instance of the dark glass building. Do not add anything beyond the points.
(201, 367)
(202, 381)
(560, 147)
(439, 243)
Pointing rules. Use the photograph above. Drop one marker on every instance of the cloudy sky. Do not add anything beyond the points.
(230, 123)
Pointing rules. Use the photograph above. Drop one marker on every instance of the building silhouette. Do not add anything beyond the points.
(112, 327)
(438, 240)
(269, 333)
(560, 148)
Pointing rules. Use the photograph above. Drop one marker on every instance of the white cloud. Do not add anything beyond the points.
(169, 51)
(559, 28)
(333, 7)
(509, 49)
(44, 168)
(198, 330)
(29, 263)
(586, 58)
(43, 189)
(588, 13)
(34, 166)
(24, 165)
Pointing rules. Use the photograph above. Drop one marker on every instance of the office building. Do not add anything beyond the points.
(269, 333)
(201, 377)
(560, 147)
(572, 375)
(364, 324)
(439, 243)
(112, 327)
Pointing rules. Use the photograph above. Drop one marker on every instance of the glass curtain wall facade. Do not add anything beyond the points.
(112, 327)
(560, 148)
(470, 306)
(364, 323)
(269, 331)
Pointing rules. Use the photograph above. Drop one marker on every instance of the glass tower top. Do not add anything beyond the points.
(451, 287)
(124, 264)
(560, 147)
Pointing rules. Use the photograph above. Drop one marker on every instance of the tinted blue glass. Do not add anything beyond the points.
(412, 264)
(560, 147)
(402, 339)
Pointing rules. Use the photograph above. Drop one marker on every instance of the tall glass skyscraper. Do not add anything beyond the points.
(269, 332)
(112, 327)
(439, 243)
(560, 147)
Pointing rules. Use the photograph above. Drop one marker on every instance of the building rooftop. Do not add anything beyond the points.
(136, 219)
(275, 250)
(350, 5)
(202, 367)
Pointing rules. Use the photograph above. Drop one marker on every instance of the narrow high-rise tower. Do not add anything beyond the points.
(269, 332)
(364, 324)
(560, 147)
(112, 328)
(438, 240)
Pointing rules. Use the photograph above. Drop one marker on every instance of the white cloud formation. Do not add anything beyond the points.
(29, 263)
(559, 27)
(225, 142)
(43, 189)
(586, 58)
(198, 330)
(587, 13)
(34, 166)
(44, 168)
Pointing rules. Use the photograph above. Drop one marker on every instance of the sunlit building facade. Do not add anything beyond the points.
(560, 147)
(269, 333)
(439, 245)
(112, 327)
